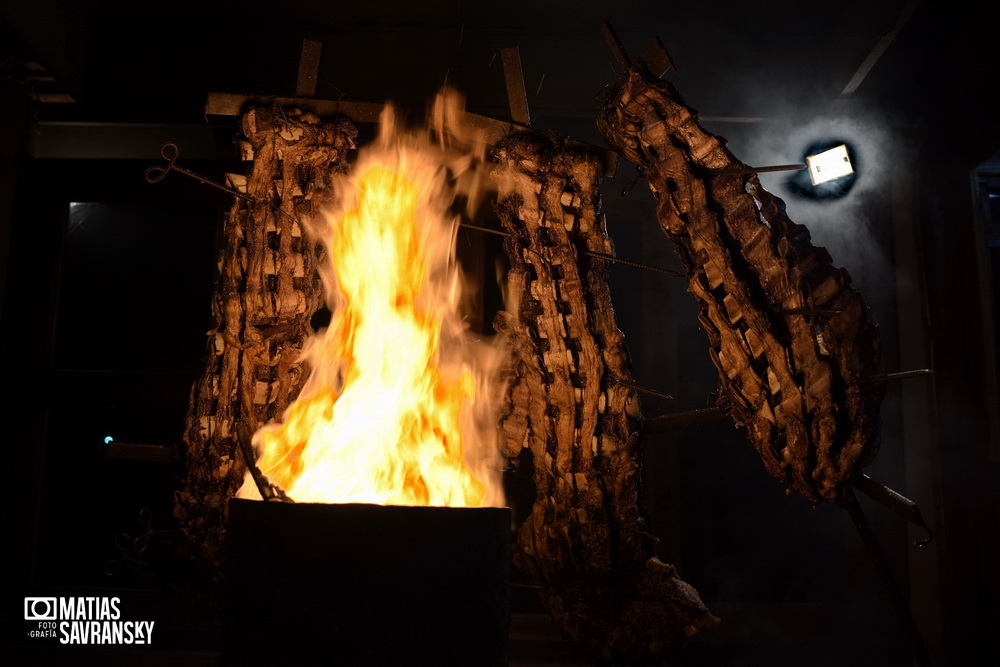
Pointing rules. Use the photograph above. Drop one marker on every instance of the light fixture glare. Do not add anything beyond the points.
(829, 165)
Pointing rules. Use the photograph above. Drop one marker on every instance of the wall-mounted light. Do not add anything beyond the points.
(833, 166)
(829, 165)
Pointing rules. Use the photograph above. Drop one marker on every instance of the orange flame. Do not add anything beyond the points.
(399, 407)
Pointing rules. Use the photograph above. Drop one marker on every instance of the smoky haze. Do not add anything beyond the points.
(853, 227)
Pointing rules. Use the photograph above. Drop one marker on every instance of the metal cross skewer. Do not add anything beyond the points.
(644, 390)
(591, 253)
(759, 170)
(638, 265)
(902, 375)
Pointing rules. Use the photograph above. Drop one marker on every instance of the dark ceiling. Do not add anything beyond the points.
(735, 59)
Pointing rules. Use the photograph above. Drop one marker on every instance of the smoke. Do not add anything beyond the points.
(854, 226)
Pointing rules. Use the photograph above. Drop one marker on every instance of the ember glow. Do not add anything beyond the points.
(399, 408)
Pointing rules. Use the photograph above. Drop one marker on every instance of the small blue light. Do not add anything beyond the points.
(107, 439)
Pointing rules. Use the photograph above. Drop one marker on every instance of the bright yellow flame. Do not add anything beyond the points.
(397, 409)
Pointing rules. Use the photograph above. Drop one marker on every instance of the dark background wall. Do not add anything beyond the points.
(105, 301)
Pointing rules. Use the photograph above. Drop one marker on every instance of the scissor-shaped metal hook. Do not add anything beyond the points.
(131, 549)
(142, 542)
(169, 152)
(146, 520)
(124, 543)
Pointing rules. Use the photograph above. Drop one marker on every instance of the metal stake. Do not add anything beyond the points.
(920, 654)
(679, 420)
(268, 490)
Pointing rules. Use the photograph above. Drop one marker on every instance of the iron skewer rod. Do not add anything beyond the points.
(643, 390)
(901, 375)
(680, 420)
(761, 170)
(589, 253)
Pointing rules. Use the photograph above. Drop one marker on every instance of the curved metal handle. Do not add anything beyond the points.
(168, 152)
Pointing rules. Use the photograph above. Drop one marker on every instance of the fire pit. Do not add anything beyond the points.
(399, 410)
(366, 584)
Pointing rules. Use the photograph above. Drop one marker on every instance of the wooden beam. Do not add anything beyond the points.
(308, 67)
(656, 58)
(514, 78)
(615, 44)
(228, 104)
(474, 128)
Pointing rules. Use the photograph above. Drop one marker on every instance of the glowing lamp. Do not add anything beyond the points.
(829, 165)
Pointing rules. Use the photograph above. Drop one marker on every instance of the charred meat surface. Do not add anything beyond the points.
(571, 405)
(266, 294)
(793, 342)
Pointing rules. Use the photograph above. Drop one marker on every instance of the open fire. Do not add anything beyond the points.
(399, 408)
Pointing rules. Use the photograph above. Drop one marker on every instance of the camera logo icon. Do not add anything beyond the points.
(40, 609)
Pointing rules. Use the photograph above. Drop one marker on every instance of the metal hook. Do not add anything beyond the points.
(168, 152)
(141, 543)
(124, 543)
(640, 172)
